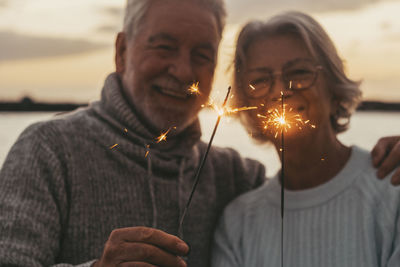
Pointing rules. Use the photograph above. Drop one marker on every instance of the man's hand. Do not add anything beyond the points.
(142, 247)
(386, 157)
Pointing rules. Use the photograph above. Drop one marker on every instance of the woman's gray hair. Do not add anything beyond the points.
(135, 12)
(344, 91)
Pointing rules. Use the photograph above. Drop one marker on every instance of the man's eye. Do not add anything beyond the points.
(164, 47)
(204, 57)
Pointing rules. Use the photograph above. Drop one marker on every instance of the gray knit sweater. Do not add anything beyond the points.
(63, 190)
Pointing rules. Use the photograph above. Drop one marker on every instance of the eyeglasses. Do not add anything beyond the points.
(299, 74)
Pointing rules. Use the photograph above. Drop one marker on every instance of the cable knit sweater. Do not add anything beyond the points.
(63, 190)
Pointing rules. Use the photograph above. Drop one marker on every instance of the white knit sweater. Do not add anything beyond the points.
(352, 220)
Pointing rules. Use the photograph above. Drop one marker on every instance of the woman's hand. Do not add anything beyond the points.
(386, 157)
(142, 246)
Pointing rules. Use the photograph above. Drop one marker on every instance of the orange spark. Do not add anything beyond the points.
(114, 146)
(235, 110)
(147, 151)
(194, 89)
(279, 121)
(163, 136)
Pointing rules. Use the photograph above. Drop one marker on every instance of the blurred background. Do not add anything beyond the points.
(60, 51)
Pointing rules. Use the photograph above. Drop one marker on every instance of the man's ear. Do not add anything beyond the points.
(120, 50)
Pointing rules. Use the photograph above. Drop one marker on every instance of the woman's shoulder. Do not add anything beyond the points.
(252, 201)
(369, 187)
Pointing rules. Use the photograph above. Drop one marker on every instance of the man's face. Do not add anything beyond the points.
(175, 47)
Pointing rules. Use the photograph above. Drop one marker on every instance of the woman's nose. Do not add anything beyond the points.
(280, 88)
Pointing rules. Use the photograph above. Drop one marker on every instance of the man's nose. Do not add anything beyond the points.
(181, 67)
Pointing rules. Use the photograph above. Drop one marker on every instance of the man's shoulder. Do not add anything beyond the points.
(64, 124)
(65, 121)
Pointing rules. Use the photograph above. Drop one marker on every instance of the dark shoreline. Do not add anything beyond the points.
(28, 105)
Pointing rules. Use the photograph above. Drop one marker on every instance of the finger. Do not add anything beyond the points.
(390, 162)
(379, 151)
(135, 264)
(141, 252)
(151, 236)
(396, 177)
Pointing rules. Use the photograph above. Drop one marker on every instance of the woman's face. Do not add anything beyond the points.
(287, 55)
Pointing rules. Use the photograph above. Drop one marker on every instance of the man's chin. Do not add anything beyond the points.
(164, 122)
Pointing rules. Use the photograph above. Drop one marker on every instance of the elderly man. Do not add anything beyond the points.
(67, 199)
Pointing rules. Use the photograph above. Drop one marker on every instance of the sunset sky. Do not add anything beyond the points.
(61, 50)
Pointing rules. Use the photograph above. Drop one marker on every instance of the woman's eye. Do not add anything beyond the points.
(261, 81)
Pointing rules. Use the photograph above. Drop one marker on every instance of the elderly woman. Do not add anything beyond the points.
(336, 212)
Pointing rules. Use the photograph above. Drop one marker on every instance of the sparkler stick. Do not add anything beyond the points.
(282, 175)
(197, 176)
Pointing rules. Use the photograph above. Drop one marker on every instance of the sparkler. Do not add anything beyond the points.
(281, 121)
(197, 176)
(223, 111)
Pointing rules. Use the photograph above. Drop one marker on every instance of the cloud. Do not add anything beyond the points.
(115, 12)
(238, 9)
(19, 46)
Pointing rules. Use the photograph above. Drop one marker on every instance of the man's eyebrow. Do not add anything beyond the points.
(161, 37)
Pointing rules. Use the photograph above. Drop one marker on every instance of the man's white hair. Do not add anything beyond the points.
(135, 12)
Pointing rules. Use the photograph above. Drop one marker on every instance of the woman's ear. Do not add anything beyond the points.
(120, 49)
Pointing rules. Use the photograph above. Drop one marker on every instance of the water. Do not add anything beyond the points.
(365, 130)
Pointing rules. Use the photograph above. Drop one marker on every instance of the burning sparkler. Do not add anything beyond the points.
(280, 121)
(197, 176)
(224, 111)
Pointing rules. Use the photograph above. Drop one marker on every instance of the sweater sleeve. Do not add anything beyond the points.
(33, 200)
(249, 174)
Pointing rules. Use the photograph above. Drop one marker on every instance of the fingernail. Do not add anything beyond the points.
(189, 250)
(183, 247)
(396, 181)
(182, 263)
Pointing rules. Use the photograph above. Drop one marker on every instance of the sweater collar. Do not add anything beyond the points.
(315, 196)
(118, 112)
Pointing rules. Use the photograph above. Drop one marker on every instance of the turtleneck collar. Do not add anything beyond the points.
(116, 110)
